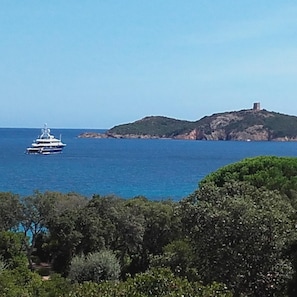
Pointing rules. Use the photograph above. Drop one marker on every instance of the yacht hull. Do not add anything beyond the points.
(44, 151)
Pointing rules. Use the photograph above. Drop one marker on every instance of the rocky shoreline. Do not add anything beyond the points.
(117, 136)
(194, 135)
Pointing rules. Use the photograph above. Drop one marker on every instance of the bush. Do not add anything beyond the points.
(94, 267)
(156, 282)
(19, 282)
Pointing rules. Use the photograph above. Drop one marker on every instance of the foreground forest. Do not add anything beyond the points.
(234, 236)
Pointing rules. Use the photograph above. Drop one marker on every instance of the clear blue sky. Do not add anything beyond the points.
(96, 64)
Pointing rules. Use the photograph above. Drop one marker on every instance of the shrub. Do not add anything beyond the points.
(94, 267)
(155, 282)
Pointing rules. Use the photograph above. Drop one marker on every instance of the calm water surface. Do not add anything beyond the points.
(157, 169)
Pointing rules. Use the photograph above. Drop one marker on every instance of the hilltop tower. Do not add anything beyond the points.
(256, 106)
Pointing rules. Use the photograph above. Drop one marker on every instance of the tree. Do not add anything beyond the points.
(35, 211)
(97, 223)
(64, 239)
(12, 249)
(154, 224)
(239, 234)
(10, 211)
(18, 282)
(179, 257)
(41, 210)
(273, 173)
(162, 225)
(133, 228)
(109, 222)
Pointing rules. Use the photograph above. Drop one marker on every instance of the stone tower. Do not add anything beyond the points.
(256, 106)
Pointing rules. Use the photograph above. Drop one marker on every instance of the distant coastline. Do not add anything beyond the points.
(254, 124)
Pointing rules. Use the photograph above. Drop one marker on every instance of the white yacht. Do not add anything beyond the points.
(46, 144)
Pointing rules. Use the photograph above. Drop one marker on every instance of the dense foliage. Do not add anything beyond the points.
(234, 236)
(156, 282)
(10, 211)
(271, 172)
(239, 235)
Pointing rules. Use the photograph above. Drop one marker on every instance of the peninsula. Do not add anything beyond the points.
(253, 124)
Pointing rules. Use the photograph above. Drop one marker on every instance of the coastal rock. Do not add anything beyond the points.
(92, 135)
(192, 135)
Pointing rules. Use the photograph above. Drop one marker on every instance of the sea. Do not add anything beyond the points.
(157, 169)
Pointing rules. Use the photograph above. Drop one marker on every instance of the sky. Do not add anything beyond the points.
(100, 63)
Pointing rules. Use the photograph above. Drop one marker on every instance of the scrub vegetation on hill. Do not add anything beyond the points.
(155, 126)
(234, 236)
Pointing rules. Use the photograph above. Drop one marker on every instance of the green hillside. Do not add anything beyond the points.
(155, 126)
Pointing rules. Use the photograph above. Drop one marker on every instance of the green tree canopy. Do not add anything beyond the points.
(271, 172)
(41, 210)
(10, 211)
(239, 234)
(12, 249)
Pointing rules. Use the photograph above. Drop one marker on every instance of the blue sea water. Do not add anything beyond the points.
(156, 169)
